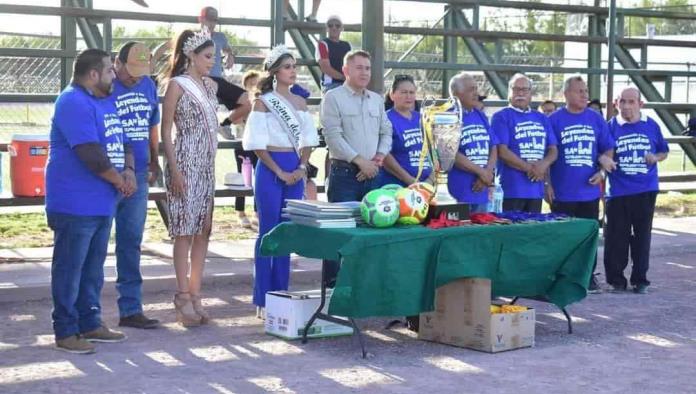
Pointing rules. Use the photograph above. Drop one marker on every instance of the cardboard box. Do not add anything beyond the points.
(462, 318)
(288, 312)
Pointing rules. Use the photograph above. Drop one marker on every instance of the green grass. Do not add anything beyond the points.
(24, 230)
(29, 230)
(26, 113)
(675, 205)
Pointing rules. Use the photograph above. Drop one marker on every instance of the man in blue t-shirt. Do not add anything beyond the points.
(475, 161)
(89, 165)
(584, 147)
(631, 192)
(526, 148)
(135, 96)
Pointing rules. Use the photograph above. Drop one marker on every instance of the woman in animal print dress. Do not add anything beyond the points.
(190, 104)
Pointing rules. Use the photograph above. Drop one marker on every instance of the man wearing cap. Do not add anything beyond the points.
(330, 53)
(232, 96)
(137, 104)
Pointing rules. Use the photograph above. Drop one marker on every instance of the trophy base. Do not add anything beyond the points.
(452, 211)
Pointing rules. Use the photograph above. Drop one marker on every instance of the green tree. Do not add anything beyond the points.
(636, 26)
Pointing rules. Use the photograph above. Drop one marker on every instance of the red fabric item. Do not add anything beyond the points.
(442, 222)
(483, 218)
(323, 50)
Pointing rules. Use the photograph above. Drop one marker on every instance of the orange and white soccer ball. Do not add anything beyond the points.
(413, 206)
(426, 189)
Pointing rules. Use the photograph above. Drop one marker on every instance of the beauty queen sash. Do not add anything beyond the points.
(200, 96)
(286, 115)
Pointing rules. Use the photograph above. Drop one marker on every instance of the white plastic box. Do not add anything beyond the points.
(287, 313)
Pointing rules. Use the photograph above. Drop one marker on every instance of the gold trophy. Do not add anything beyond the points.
(441, 126)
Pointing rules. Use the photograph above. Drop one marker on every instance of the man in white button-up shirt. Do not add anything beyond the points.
(357, 131)
(358, 135)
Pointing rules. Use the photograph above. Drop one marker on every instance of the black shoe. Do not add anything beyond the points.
(138, 321)
(640, 289)
(618, 289)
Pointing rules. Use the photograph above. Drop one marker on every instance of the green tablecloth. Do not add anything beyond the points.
(395, 271)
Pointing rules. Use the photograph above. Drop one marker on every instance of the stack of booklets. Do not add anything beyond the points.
(323, 214)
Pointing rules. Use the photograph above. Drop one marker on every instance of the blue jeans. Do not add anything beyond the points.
(272, 273)
(77, 271)
(343, 186)
(130, 225)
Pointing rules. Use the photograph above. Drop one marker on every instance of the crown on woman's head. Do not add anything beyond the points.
(196, 40)
(275, 54)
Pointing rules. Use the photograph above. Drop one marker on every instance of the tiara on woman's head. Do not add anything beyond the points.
(275, 54)
(196, 40)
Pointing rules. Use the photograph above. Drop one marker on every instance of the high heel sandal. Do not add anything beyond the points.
(198, 308)
(185, 312)
(261, 313)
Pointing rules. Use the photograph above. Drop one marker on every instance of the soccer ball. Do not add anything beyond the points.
(413, 206)
(379, 208)
(426, 189)
(391, 187)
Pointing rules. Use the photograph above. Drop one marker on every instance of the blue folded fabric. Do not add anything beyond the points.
(519, 217)
(299, 90)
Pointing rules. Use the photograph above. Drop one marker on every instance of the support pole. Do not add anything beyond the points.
(610, 62)
(373, 40)
(450, 49)
(594, 56)
(278, 28)
(68, 42)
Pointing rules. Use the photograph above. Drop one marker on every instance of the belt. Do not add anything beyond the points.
(344, 164)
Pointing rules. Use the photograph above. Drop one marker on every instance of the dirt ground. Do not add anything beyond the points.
(622, 343)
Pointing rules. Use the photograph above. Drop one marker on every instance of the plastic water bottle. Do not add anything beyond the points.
(491, 202)
(498, 197)
(247, 169)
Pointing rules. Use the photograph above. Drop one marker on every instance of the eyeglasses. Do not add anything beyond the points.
(521, 90)
(334, 25)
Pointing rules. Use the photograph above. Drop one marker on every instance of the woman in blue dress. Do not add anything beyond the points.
(401, 165)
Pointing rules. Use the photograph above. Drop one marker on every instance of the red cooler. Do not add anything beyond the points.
(28, 154)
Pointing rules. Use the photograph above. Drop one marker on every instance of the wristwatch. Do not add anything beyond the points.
(302, 167)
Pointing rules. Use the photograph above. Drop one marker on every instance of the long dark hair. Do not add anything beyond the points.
(266, 83)
(178, 61)
(398, 80)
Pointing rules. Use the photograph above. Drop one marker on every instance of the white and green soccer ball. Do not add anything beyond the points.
(379, 208)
